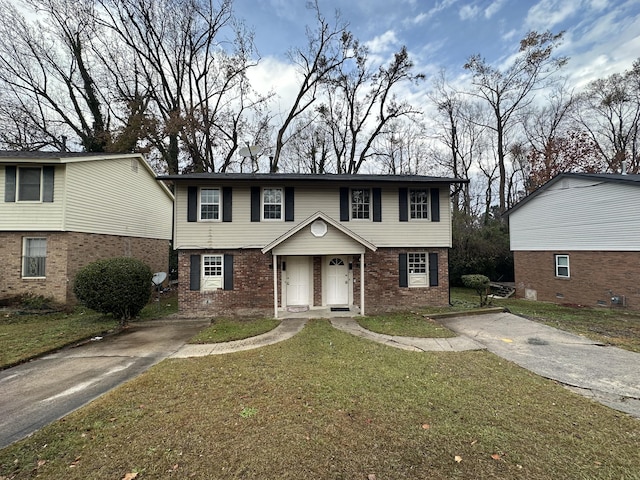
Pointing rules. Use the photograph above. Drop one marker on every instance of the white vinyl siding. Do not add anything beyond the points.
(34, 216)
(34, 257)
(579, 214)
(109, 197)
(309, 199)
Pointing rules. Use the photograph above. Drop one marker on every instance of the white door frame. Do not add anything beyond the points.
(348, 287)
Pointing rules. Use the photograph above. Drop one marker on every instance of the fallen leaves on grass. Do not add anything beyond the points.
(496, 456)
(130, 476)
(426, 426)
(458, 458)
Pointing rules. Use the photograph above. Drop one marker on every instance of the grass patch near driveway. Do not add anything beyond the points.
(25, 336)
(610, 326)
(405, 325)
(227, 329)
(329, 405)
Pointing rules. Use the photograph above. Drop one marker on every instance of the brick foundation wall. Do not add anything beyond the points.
(67, 252)
(253, 284)
(594, 277)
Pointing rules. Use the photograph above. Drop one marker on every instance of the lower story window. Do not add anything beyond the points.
(34, 258)
(212, 271)
(417, 268)
(562, 266)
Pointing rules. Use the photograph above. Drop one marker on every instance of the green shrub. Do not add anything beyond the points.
(119, 286)
(480, 284)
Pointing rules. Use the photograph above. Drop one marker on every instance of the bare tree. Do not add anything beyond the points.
(507, 91)
(328, 47)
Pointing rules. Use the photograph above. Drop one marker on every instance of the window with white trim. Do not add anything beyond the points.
(212, 272)
(209, 204)
(34, 257)
(417, 269)
(562, 266)
(29, 184)
(272, 199)
(360, 203)
(419, 203)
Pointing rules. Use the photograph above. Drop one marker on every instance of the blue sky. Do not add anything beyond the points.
(602, 36)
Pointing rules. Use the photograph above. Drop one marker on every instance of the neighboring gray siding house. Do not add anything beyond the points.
(576, 240)
(60, 211)
(269, 242)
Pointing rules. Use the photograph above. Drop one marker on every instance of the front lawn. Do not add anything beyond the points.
(405, 325)
(227, 329)
(329, 405)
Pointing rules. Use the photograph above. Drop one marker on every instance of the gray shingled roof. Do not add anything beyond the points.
(45, 155)
(328, 177)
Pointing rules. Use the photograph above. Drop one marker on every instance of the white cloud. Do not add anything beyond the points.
(383, 43)
(494, 8)
(548, 13)
(468, 12)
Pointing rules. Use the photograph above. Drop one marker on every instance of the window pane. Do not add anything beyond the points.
(563, 261)
(419, 203)
(360, 203)
(417, 262)
(212, 265)
(209, 203)
(272, 203)
(35, 256)
(29, 184)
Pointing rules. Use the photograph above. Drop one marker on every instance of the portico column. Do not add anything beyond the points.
(362, 284)
(275, 286)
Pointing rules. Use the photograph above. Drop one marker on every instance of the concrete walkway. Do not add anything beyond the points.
(608, 375)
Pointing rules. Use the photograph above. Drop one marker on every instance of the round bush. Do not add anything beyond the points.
(119, 286)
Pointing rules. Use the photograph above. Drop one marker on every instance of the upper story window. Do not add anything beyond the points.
(360, 203)
(272, 199)
(34, 257)
(29, 184)
(419, 203)
(209, 204)
(562, 266)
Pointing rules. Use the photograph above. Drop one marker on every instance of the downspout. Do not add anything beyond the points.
(362, 284)
(275, 285)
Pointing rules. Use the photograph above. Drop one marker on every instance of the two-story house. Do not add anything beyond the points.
(576, 240)
(251, 243)
(60, 211)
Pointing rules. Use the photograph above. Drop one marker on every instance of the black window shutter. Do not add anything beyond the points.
(344, 204)
(47, 183)
(435, 204)
(402, 269)
(194, 273)
(255, 204)
(10, 183)
(433, 269)
(226, 204)
(228, 272)
(377, 205)
(403, 199)
(289, 204)
(192, 204)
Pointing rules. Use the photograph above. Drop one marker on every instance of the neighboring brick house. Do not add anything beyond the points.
(576, 240)
(250, 243)
(62, 210)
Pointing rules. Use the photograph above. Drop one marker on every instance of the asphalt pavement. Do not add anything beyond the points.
(606, 374)
(39, 392)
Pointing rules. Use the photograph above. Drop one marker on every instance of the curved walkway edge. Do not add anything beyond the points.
(287, 329)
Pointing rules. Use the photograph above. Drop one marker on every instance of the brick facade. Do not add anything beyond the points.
(595, 277)
(67, 252)
(253, 284)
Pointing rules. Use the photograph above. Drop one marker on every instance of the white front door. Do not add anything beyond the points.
(337, 281)
(296, 277)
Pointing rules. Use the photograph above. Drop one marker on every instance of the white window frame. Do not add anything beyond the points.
(418, 269)
(365, 205)
(218, 203)
(559, 266)
(19, 188)
(212, 281)
(25, 242)
(421, 207)
(264, 204)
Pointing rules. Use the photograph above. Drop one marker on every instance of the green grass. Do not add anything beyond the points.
(406, 325)
(616, 327)
(227, 329)
(25, 336)
(328, 405)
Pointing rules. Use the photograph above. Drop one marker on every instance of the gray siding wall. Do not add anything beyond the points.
(579, 214)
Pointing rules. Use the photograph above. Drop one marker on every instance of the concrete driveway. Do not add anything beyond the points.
(608, 375)
(39, 392)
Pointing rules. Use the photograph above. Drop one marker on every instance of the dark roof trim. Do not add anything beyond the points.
(308, 177)
(630, 179)
(20, 154)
